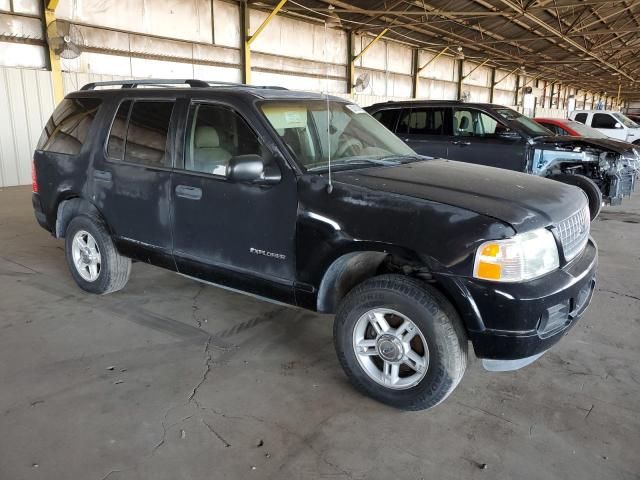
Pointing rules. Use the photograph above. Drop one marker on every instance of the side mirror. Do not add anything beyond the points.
(508, 135)
(252, 169)
(617, 125)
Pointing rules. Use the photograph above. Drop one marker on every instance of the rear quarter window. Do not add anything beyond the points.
(69, 125)
(581, 117)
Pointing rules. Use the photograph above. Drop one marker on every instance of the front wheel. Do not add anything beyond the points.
(401, 342)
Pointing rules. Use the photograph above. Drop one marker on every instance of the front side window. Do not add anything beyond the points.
(343, 132)
(603, 120)
(581, 117)
(68, 127)
(139, 133)
(215, 135)
(470, 122)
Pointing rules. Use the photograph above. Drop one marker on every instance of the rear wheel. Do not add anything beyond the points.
(92, 258)
(588, 186)
(400, 342)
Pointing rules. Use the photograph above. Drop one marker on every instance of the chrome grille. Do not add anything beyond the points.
(573, 233)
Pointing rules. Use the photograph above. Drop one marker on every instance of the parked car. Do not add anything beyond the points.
(629, 154)
(307, 200)
(501, 137)
(612, 124)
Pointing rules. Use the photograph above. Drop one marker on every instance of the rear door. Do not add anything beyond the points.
(131, 178)
(426, 129)
(478, 138)
(234, 234)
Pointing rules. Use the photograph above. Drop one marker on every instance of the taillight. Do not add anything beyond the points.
(34, 178)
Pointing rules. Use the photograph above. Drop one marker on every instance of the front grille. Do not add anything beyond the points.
(573, 233)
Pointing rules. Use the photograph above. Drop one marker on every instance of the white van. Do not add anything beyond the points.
(612, 124)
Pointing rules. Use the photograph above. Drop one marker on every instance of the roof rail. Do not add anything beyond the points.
(148, 81)
(157, 82)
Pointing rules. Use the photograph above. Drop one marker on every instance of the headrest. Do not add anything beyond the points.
(464, 123)
(206, 137)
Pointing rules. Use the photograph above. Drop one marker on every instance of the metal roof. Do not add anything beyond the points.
(589, 44)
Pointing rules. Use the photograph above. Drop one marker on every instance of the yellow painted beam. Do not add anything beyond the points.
(371, 44)
(266, 22)
(52, 5)
(432, 60)
(474, 69)
(54, 60)
(247, 63)
(505, 77)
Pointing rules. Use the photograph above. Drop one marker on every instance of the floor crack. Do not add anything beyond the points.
(213, 431)
(208, 360)
(621, 294)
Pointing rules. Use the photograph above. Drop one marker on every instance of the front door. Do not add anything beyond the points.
(480, 138)
(131, 179)
(427, 130)
(606, 123)
(234, 234)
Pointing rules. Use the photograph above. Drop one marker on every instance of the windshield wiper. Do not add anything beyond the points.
(355, 161)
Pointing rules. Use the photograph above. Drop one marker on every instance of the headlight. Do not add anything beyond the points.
(522, 257)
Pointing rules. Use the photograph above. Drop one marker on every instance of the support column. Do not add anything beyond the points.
(354, 59)
(460, 77)
(54, 60)
(249, 39)
(493, 84)
(415, 70)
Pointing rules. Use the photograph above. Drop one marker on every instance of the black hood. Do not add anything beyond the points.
(524, 201)
(562, 141)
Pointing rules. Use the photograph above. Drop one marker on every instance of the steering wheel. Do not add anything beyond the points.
(350, 145)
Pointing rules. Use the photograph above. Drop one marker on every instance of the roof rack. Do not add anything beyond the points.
(156, 82)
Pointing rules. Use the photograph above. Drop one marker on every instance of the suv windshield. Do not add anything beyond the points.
(626, 121)
(345, 133)
(524, 124)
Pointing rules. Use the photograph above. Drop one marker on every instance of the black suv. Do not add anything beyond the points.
(306, 199)
(501, 137)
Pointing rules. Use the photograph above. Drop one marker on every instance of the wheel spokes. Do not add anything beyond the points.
(367, 347)
(415, 362)
(378, 322)
(406, 331)
(391, 373)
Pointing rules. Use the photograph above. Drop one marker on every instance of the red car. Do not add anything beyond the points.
(564, 126)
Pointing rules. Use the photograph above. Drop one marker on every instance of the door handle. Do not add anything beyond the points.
(190, 193)
(462, 143)
(102, 175)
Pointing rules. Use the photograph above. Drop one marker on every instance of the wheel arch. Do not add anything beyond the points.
(70, 206)
(352, 268)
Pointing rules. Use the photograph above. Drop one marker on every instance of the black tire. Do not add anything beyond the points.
(437, 321)
(588, 186)
(114, 268)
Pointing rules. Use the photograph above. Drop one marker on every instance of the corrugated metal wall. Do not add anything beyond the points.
(26, 101)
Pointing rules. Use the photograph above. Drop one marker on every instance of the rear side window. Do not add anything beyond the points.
(581, 117)
(139, 133)
(603, 120)
(427, 121)
(388, 118)
(69, 125)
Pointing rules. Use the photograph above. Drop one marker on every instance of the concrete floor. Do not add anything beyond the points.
(170, 379)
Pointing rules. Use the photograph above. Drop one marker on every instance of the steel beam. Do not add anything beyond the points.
(433, 59)
(371, 44)
(475, 68)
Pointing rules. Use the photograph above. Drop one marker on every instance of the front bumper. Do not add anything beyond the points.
(511, 321)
